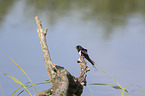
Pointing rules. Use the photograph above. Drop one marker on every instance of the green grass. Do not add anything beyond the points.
(25, 74)
(117, 85)
(29, 84)
(18, 82)
(25, 86)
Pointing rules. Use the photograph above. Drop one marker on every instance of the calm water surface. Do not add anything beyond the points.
(113, 32)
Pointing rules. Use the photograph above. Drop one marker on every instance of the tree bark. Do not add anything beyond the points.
(63, 83)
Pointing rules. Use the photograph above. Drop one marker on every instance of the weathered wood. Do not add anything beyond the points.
(63, 83)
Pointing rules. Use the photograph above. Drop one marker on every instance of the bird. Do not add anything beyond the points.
(83, 52)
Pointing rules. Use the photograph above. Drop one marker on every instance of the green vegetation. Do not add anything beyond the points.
(117, 85)
(25, 74)
(26, 86)
(29, 84)
(17, 81)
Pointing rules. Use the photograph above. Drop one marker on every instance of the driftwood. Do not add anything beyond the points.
(63, 83)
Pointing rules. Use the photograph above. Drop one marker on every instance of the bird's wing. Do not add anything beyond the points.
(85, 54)
(84, 49)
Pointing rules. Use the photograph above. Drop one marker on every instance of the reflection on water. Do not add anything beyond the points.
(103, 11)
(69, 22)
(5, 6)
(106, 13)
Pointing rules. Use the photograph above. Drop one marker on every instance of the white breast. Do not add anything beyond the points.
(80, 53)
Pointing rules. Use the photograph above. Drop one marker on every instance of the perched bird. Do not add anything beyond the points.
(83, 52)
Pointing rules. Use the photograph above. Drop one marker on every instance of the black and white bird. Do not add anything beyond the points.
(83, 52)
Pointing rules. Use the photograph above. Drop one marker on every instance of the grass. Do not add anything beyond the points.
(20, 83)
(117, 85)
(25, 74)
(29, 84)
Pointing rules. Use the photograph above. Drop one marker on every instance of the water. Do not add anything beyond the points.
(113, 35)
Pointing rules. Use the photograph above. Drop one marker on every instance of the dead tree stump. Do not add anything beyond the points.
(63, 83)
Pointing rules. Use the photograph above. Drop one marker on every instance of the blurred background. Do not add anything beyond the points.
(113, 31)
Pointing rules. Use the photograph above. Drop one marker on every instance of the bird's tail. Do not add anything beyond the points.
(93, 63)
(95, 68)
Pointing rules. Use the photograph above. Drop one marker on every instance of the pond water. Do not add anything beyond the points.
(112, 31)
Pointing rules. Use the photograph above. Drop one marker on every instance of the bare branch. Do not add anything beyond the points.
(42, 36)
(63, 83)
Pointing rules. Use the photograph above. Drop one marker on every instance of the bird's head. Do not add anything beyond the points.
(78, 47)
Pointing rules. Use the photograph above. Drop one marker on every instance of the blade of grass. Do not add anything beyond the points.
(2, 90)
(111, 85)
(116, 87)
(19, 89)
(112, 79)
(124, 89)
(37, 84)
(20, 92)
(138, 86)
(141, 91)
(102, 84)
(25, 74)
(17, 81)
(28, 86)
(16, 90)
